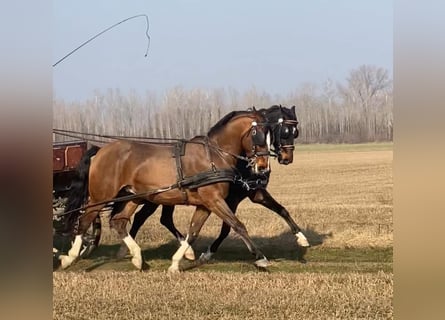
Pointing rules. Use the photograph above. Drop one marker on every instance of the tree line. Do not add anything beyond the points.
(358, 110)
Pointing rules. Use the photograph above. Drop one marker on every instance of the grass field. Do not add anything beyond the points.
(341, 196)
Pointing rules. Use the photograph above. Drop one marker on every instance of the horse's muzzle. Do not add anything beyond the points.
(261, 169)
(285, 161)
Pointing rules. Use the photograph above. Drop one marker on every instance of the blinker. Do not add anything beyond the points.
(258, 137)
(285, 132)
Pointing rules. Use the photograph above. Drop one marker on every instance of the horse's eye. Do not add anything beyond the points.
(295, 132)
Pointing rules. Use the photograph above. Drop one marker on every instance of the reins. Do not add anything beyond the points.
(122, 198)
(80, 135)
(166, 141)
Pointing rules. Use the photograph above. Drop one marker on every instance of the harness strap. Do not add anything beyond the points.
(208, 177)
(209, 157)
(179, 151)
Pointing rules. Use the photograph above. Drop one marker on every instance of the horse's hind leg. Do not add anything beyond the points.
(139, 219)
(85, 221)
(119, 223)
(141, 216)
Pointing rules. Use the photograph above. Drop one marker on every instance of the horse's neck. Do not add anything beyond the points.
(228, 144)
(228, 141)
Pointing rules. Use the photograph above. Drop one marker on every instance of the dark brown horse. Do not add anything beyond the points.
(195, 172)
(283, 124)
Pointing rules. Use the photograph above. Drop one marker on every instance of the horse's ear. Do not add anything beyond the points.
(253, 108)
(293, 109)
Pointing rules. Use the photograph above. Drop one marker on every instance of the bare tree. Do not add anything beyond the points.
(359, 111)
(366, 89)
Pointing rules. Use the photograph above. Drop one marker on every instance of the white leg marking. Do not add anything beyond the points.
(66, 261)
(301, 240)
(206, 256)
(75, 249)
(179, 254)
(135, 251)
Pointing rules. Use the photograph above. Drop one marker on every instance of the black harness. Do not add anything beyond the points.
(201, 179)
(215, 175)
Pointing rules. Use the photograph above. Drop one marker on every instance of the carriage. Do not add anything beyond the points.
(66, 157)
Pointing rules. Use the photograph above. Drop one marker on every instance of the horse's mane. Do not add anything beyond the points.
(221, 123)
(264, 112)
(278, 108)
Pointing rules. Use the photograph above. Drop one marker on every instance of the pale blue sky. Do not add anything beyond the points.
(273, 45)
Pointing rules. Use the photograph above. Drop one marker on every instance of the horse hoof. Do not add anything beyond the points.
(205, 256)
(303, 243)
(189, 254)
(302, 260)
(65, 261)
(137, 262)
(145, 266)
(173, 269)
(302, 240)
(262, 263)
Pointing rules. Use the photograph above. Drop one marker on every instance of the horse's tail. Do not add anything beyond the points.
(78, 194)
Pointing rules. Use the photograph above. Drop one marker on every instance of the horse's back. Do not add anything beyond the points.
(124, 149)
(125, 163)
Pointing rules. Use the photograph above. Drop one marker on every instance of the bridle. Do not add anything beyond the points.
(281, 131)
(259, 139)
(284, 132)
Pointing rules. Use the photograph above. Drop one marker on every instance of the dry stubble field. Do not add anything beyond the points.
(341, 196)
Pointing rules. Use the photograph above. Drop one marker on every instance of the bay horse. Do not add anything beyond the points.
(194, 172)
(283, 125)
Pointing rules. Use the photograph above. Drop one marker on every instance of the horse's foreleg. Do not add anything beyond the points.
(199, 217)
(119, 223)
(167, 221)
(179, 254)
(263, 197)
(222, 210)
(233, 202)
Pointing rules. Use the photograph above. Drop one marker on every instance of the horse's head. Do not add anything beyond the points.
(283, 125)
(256, 143)
(246, 134)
